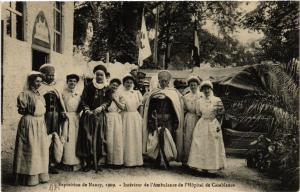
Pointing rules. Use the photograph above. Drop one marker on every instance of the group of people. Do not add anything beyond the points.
(110, 122)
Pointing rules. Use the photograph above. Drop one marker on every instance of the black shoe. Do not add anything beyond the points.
(117, 167)
(98, 169)
(86, 169)
(52, 170)
(68, 168)
(210, 175)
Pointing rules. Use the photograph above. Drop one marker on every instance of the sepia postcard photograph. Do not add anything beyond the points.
(141, 96)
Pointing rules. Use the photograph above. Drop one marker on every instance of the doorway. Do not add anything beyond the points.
(39, 58)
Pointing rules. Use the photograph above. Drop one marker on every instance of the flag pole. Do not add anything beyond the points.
(143, 42)
(194, 39)
(156, 37)
(196, 47)
(140, 34)
(196, 21)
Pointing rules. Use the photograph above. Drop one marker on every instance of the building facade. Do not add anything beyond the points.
(32, 33)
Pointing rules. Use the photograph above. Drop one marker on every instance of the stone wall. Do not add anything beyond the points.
(17, 59)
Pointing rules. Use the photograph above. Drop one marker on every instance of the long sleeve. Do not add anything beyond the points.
(198, 107)
(140, 97)
(120, 103)
(61, 105)
(22, 103)
(84, 98)
(219, 109)
(184, 99)
(107, 98)
(220, 106)
(80, 107)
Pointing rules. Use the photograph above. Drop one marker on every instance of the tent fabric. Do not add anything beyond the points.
(213, 74)
(248, 78)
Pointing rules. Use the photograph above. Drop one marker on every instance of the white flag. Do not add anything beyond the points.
(196, 50)
(196, 43)
(144, 46)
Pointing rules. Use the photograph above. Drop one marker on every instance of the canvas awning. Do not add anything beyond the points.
(248, 77)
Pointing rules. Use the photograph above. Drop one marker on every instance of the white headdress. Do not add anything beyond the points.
(193, 78)
(206, 83)
(104, 71)
(32, 73)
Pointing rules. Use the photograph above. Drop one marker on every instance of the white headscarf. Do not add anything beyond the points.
(206, 83)
(154, 82)
(126, 76)
(209, 84)
(100, 85)
(193, 78)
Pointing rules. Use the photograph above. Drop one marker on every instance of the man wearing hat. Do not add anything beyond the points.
(55, 109)
(138, 77)
(164, 110)
(96, 98)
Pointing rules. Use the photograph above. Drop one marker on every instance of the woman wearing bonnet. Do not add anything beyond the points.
(207, 153)
(96, 97)
(31, 157)
(132, 123)
(191, 117)
(114, 133)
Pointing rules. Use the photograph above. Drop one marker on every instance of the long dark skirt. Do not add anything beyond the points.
(53, 125)
(91, 137)
(52, 122)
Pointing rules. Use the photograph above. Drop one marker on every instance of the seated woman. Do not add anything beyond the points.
(207, 151)
(31, 157)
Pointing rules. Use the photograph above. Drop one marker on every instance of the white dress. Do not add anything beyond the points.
(190, 121)
(207, 150)
(31, 157)
(132, 128)
(114, 135)
(71, 126)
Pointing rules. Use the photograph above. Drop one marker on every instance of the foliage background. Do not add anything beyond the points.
(116, 25)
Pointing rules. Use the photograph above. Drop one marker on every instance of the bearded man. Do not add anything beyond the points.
(55, 109)
(163, 122)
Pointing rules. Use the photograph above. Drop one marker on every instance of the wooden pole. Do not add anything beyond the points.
(156, 38)
(107, 57)
(163, 61)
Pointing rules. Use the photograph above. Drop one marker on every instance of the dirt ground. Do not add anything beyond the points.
(236, 177)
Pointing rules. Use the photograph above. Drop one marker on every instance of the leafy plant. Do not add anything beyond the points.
(274, 104)
(279, 21)
(116, 25)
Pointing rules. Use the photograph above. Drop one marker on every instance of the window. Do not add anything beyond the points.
(57, 45)
(14, 17)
